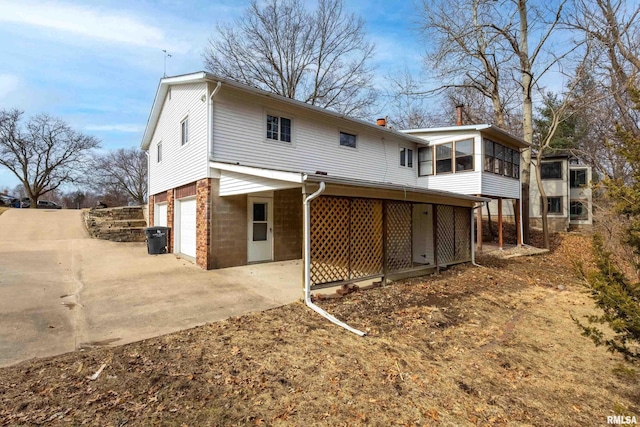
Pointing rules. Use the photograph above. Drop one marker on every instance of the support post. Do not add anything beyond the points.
(385, 243)
(500, 223)
(435, 238)
(478, 213)
(518, 223)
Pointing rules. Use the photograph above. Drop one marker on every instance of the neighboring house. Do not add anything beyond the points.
(231, 169)
(566, 183)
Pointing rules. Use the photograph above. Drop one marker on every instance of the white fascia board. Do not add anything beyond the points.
(296, 177)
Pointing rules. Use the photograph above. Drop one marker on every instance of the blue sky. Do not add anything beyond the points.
(97, 64)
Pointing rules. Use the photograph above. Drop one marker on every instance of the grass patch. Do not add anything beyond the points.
(3, 209)
(473, 346)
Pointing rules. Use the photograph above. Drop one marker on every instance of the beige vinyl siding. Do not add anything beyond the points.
(240, 136)
(181, 164)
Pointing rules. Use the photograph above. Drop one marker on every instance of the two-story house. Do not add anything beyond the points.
(241, 175)
(566, 182)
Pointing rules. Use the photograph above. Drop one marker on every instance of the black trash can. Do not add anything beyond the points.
(157, 240)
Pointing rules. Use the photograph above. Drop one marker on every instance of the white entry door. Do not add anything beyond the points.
(187, 232)
(260, 232)
(423, 234)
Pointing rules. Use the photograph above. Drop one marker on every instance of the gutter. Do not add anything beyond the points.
(210, 105)
(473, 232)
(307, 264)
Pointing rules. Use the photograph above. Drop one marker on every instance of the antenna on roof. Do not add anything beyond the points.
(166, 55)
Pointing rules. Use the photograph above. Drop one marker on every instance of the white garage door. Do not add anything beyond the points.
(160, 215)
(188, 227)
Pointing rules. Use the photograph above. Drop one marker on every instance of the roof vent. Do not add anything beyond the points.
(382, 122)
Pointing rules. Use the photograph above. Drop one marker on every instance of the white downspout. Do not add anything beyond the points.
(473, 233)
(215, 91)
(307, 264)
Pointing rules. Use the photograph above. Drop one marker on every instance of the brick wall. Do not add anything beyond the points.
(203, 223)
(228, 229)
(170, 219)
(151, 211)
(287, 224)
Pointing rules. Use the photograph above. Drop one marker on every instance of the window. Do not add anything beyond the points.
(578, 210)
(159, 152)
(498, 165)
(347, 140)
(551, 170)
(443, 158)
(554, 205)
(488, 155)
(406, 157)
(184, 131)
(516, 164)
(464, 155)
(425, 161)
(578, 178)
(278, 128)
(501, 160)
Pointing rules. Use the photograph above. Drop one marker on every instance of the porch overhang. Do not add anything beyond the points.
(337, 186)
(238, 179)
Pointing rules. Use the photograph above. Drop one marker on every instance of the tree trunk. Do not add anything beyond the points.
(527, 114)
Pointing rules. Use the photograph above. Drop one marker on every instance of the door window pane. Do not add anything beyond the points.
(259, 231)
(259, 211)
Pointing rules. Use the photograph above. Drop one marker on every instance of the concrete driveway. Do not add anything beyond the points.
(62, 291)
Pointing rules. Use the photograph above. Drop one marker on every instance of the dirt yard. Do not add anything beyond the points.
(492, 345)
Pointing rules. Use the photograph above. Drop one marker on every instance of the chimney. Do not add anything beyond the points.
(459, 108)
(382, 122)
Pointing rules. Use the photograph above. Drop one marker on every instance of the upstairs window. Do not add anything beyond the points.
(278, 128)
(347, 140)
(184, 131)
(501, 160)
(406, 157)
(551, 170)
(578, 178)
(464, 155)
(159, 152)
(444, 158)
(425, 161)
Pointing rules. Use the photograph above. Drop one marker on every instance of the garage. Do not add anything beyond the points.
(186, 232)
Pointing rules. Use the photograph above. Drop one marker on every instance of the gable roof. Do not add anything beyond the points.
(202, 77)
(486, 129)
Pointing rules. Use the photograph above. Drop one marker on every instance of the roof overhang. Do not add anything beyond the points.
(484, 129)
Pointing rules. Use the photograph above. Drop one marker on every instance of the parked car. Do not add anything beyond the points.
(25, 202)
(45, 204)
(6, 200)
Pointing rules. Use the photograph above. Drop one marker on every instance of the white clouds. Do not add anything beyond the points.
(8, 83)
(121, 128)
(84, 21)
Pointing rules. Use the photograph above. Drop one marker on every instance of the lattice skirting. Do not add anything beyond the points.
(348, 234)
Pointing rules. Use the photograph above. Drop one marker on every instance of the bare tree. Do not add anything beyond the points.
(558, 111)
(317, 56)
(44, 153)
(485, 44)
(122, 171)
